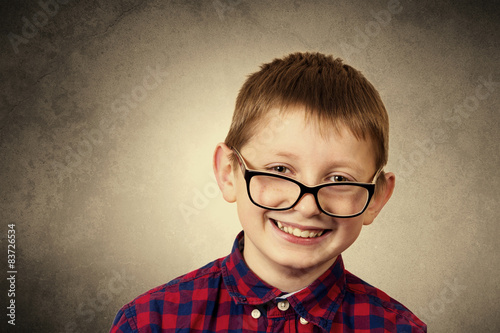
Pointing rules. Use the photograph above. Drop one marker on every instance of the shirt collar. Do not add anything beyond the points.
(317, 303)
(243, 285)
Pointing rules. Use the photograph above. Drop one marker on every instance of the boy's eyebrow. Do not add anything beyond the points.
(287, 154)
(357, 167)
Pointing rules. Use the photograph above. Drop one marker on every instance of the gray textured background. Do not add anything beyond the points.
(106, 170)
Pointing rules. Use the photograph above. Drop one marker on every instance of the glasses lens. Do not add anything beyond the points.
(343, 200)
(273, 192)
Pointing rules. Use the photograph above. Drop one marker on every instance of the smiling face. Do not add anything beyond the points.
(300, 239)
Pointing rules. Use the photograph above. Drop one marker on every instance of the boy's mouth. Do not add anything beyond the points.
(302, 233)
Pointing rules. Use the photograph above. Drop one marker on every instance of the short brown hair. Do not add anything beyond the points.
(334, 93)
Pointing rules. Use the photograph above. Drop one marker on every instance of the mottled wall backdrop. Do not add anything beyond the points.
(110, 111)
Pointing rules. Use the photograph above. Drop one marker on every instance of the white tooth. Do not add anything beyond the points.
(296, 232)
(285, 229)
(312, 234)
(280, 225)
(290, 230)
(304, 234)
(320, 233)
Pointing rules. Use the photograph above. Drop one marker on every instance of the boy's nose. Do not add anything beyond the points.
(307, 205)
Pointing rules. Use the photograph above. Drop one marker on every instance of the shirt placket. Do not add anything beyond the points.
(281, 317)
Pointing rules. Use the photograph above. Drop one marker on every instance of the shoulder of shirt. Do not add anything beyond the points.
(210, 270)
(362, 288)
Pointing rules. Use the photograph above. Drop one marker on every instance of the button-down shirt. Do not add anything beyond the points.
(226, 296)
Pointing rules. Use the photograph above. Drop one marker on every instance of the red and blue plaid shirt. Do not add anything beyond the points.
(226, 296)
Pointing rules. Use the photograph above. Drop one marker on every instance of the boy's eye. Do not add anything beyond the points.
(339, 179)
(279, 169)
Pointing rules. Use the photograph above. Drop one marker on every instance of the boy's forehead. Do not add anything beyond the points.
(297, 119)
(291, 133)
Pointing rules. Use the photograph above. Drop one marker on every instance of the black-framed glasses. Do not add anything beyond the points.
(277, 192)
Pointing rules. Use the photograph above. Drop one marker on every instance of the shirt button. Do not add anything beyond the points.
(255, 314)
(303, 321)
(283, 305)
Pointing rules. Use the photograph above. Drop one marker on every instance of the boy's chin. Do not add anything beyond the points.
(305, 266)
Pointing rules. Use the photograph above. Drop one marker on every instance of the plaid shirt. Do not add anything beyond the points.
(225, 296)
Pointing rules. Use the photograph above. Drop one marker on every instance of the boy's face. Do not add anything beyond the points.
(294, 147)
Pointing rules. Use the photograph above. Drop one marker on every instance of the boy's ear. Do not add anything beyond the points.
(223, 169)
(380, 199)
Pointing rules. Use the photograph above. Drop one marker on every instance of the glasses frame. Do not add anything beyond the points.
(304, 189)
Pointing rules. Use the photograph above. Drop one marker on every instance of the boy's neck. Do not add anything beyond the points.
(286, 279)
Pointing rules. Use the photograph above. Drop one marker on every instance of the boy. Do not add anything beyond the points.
(303, 161)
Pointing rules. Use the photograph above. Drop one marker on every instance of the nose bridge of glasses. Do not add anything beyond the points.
(308, 191)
